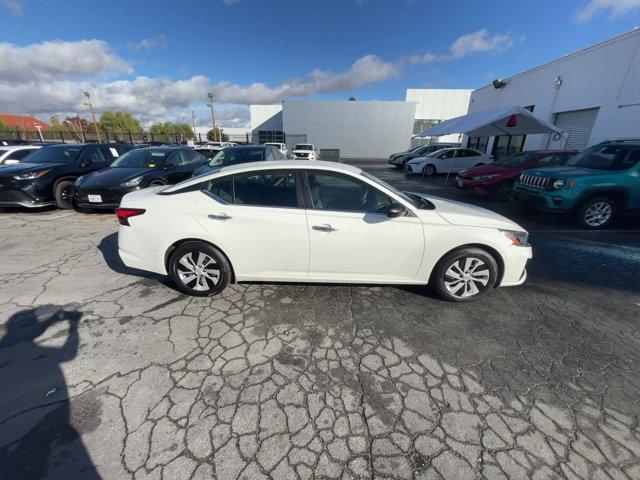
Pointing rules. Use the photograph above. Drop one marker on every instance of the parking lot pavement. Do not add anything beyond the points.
(109, 373)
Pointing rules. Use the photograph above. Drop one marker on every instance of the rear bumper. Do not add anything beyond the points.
(110, 197)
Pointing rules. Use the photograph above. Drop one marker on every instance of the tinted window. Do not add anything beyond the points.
(19, 154)
(177, 158)
(192, 156)
(268, 189)
(143, 157)
(553, 160)
(607, 157)
(92, 154)
(471, 153)
(223, 189)
(235, 155)
(341, 193)
(55, 154)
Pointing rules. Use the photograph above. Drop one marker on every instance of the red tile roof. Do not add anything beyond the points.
(25, 121)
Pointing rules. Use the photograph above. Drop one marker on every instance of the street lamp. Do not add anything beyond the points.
(93, 116)
(39, 129)
(213, 117)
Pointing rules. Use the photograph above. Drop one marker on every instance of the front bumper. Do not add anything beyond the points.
(24, 193)
(413, 169)
(515, 266)
(551, 201)
(110, 198)
(476, 186)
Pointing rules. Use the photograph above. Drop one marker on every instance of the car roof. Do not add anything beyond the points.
(273, 165)
(18, 147)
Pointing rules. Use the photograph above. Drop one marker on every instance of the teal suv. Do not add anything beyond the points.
(598, 183)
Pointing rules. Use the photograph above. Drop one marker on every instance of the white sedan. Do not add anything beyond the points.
(447, 160)
(292, 221)
(12, 154)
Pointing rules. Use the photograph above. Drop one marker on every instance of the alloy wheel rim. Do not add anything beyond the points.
(598, 214)
(466, 277)
(66, 195)
(201, 274)
(428, 170)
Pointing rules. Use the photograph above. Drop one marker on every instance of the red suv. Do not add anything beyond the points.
(496, 180)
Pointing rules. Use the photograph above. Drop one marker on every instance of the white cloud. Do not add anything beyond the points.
(616, 8)
(13, 6)
(147, 44)
(57, 60)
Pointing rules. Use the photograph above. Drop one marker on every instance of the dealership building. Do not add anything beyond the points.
(356, 129)
(592, 95)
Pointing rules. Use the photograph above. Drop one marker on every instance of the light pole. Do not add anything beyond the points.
(93, 116)
(193, 120)
(39, 128)
(213, 116)
(220, 131)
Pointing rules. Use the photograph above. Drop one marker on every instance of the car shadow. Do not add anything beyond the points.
(40, 425)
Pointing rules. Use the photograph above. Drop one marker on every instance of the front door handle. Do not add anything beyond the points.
(221, 216)
(324, 228)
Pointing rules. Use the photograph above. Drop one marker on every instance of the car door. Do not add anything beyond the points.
(445, 162)
(470, 158)
(351, 238)
(258, 219)
(177, 167)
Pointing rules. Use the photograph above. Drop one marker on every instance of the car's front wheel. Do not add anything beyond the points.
(465, 274)
(597, 212)
(428, 170)
(200, 269)
(63, 194)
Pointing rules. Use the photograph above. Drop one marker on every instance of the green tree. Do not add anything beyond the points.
(4, 127)
(119, 122)
(170, 129)
(225, 137)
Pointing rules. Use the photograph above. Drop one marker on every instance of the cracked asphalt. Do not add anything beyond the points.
(108, 372)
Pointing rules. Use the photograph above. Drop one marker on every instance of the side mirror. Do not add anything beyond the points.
(169, 166)
(396, 210)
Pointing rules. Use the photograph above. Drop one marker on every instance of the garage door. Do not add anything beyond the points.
(576, 127)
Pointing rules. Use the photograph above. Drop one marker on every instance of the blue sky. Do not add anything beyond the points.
(159, 59)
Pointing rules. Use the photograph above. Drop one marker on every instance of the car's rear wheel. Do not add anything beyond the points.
(63, 194)
(465, 274)
(596, 212)
(428, 170)
(200, 269)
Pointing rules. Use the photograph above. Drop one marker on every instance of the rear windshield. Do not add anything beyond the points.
(140, 158)
(232, 156)
(303, 146)
(54, 154)
(607, 157)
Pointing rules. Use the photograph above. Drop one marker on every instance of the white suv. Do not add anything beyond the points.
(305, 151)
(280, 146)
(12, 154)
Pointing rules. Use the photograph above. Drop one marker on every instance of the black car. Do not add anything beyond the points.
(141, 168)
(46, 176)
(241, 154)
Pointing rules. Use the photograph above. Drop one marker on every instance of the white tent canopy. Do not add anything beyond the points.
(490, 123)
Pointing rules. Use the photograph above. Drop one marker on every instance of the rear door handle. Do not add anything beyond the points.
(221, 216)
(324, 228)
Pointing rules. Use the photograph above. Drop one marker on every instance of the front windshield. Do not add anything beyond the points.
(515, 160)
(231, 156)
(304, 147)
(412, 199)
(56, 154)
(141, 158)
(607, 157)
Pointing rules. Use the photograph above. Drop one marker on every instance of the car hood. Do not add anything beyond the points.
(458, 213)
(112, 177)
(18, 168)
(488, 170)
(567, 172)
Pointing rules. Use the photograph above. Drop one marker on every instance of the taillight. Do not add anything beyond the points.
(124, 214)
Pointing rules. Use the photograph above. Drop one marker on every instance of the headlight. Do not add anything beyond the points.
(133, 182)
(558, 184)
(30, 175)
(520, 239)
(486, 177)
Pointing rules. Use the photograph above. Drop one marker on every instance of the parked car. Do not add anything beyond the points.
(400, 159)
(10, 155)
(497, 179)
(305, 151)
(222, 144)
(594, 186)
(141, 168)
(447, 160)
(280, 146)
(241, 154)
(208, 151)
(297, 221)
(46, 176)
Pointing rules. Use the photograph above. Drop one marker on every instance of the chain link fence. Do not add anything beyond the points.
(91, 137)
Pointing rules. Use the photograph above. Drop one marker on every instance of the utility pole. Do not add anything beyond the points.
(213, 117)
(93, 116)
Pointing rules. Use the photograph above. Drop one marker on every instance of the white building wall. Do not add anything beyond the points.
(606, 75)
(360, 129)
(266, 117)
(439, 104)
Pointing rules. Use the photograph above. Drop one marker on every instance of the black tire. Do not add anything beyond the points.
(63, 194)
(587, 216)
(486, 270)
(195, 286)
(502, 192)
(429, 170)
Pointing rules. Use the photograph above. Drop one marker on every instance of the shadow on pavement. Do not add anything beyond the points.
(37, 432)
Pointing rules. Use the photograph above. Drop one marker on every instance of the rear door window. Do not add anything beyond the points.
(271, 188)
